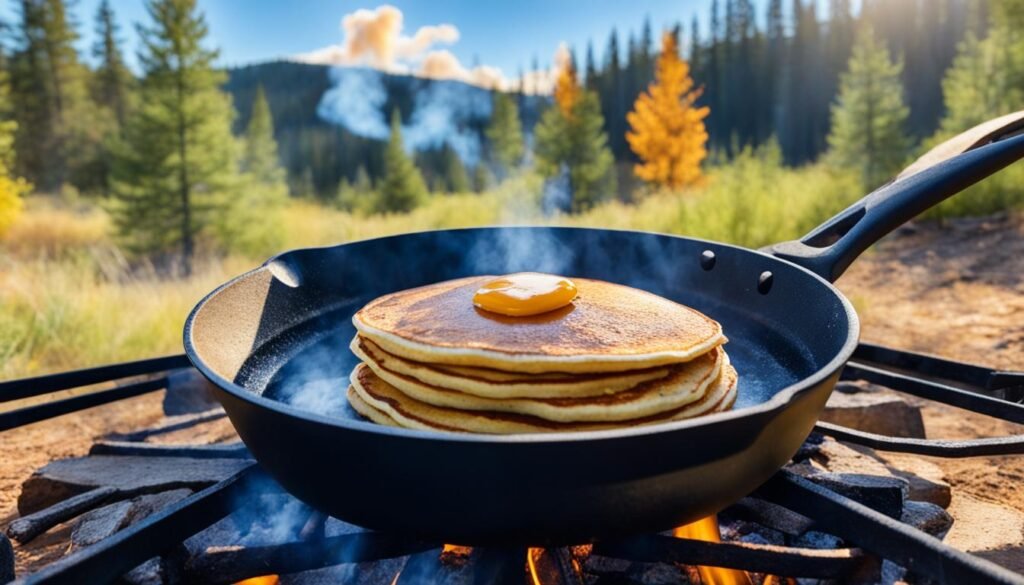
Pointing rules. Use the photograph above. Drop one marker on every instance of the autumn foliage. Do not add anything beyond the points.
(567, 90)
(666, 128)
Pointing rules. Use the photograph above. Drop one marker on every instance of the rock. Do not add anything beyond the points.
(346, 574)
(988, 530)
(129, 475)
(601, 565)
(188, 392)
(6, 560)
(100, 523)
(883, 493)
(892, 573)
(927, 517)
(146, 505)
(104, 522)
(768, 515)
(657, 574)
(882, 414)
(816, 540)
(750, 532)
(839, 458)
(150, 572)
(927, 481)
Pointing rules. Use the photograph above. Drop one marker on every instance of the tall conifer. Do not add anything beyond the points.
(869, 118)
(176, 169)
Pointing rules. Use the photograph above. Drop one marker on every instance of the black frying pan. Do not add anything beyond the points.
(274, 341)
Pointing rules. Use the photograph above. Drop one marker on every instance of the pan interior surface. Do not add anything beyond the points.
(306, 363)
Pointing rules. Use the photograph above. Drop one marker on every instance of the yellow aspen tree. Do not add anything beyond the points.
(567, 90)
(666, 128)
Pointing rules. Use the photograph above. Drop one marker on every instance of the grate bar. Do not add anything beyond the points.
(30, 414)
(968, 399)
(1011, 445)
(39, 385)
(224, 565)
(908, 547)
(758, 558)
(110, 558)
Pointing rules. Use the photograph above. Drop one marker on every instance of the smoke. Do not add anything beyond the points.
(442, 114)
(375, 39)
(355, 101)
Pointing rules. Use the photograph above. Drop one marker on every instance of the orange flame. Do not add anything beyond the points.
(707, 529)
(531, 563)
(264, 580)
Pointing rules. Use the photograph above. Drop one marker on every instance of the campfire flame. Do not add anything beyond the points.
(706, 529)
(532, 566)
(264, 580)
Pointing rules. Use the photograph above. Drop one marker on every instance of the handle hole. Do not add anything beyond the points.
(837, 227)
(765, 281)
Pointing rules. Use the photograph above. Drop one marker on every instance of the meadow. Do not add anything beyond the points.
(70, 298)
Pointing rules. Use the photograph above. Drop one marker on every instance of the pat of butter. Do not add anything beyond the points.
(525, 293)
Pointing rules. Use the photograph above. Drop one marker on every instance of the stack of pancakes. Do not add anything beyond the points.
(616, 356)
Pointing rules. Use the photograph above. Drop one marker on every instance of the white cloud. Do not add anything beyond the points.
(374, 38)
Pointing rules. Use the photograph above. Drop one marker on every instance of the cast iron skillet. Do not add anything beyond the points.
(274, 341)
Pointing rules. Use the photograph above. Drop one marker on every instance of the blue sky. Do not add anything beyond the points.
(506, 35)
(501, 34)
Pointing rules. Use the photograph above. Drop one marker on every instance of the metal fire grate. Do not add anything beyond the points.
(784, 497)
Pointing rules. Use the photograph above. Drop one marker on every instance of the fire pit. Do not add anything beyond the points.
(205, 513)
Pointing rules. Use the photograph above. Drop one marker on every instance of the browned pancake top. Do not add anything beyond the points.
(605, 320)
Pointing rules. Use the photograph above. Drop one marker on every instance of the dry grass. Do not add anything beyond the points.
(71, 300)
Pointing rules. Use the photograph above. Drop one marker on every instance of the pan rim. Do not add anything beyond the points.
(778, 402)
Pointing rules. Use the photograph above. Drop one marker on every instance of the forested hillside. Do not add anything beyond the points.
(319, 153)
(762, 76)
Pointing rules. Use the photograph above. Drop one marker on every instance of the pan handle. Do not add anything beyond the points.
(942, 172)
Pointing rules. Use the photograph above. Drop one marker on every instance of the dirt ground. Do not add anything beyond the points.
(953, 290)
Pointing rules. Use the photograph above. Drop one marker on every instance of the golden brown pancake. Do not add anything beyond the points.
(381, 402)
(495, 384)
(687, 383)
(608, 328)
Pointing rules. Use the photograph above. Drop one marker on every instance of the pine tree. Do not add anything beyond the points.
(571, 136)
(402, 187)
(987, 76)
(667, 129)
(248, 223)
(455, 178)
(176, 168)
(49, 97)
(112, 78)
(356, 195)
(869, 118)
(505, 134)
(481, 178)
(590, 74)
(110, 86)
(260, 157)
